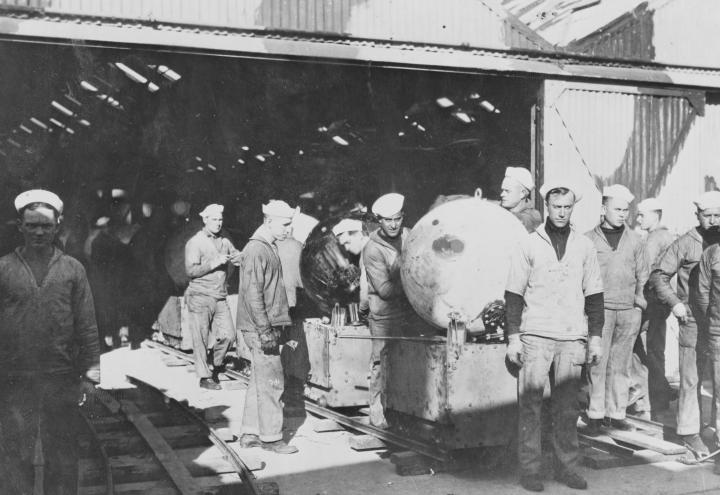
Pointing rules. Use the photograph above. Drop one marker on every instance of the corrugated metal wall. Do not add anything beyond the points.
(696, 169)
(597, 135)
(474, 23)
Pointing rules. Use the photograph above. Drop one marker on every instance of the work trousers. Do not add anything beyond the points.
(377, 381)
(692, 360)
(48, 405)
(210, 326)
(263, 414)
(561, 362)
(714, 358)
(638, 395)
(610, 379)
(655, 326)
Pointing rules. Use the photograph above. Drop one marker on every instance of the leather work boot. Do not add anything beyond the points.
(248, 441)
(571, 479)
(593, 427)
(279, 447)
(209, 384)
(695, 445)
(532, 483)
(619, 424)
(216, 373)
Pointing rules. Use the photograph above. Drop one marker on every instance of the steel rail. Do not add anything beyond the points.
(428, 450)
(434, 340)
(246, 475)
(109, 482)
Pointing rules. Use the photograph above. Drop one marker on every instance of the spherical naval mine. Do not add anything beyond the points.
(448, 246)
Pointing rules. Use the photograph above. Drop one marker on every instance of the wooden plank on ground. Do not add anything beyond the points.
(366, 442)
(598, 459)
(607, 444)
(209, 485)
(123, 442)
(164, 453)
(168, 418)
(645, 441)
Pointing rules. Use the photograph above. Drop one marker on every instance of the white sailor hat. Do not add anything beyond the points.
(38, 196)
(277, 208)
(520, 175)
(650, 204)
(388, 205)
(212, 209)
(549, 186)
(709, 199)
(618, 191)
(347, 225)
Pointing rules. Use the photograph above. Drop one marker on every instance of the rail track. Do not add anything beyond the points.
(321, 432)
(140, 441)
(351, 422)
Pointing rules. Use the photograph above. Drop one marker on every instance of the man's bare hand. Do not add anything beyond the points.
(680, 312)
(514, 351)
(236, 259)
(222, 259)
(93, 375)
(594, 350)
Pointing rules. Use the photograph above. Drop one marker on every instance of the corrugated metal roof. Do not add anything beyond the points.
(472, 23)
(65, 29)
(674, 32)
(562, 21)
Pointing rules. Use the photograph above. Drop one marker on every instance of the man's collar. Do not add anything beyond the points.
(209, 234)
(53, 256)
(522, 206)
(263, 234)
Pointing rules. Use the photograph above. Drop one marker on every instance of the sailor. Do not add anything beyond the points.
(352, 237)
(554, 304)
(262, 317)
(207, 258)
(49, 340)
(681, 258)
(515, 196)
(390, 312)
(624, 271)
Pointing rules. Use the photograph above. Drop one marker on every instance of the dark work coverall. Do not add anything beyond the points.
(49, 338)
(262, 308)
